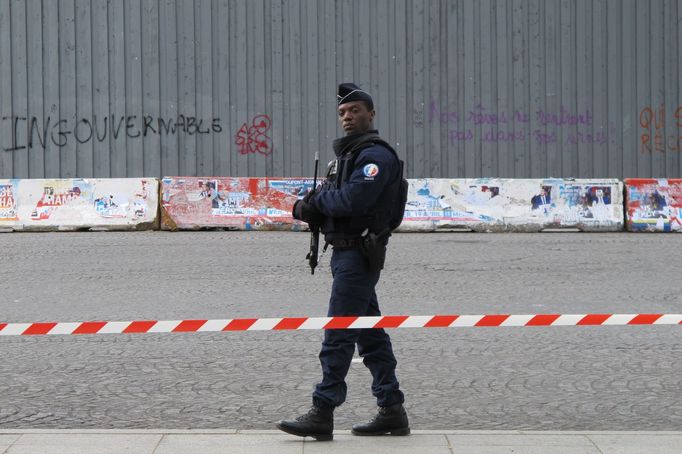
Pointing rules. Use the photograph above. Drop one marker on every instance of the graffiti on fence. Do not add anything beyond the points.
(563, 126)
(251, 139)
(30, 132)
(655, 136)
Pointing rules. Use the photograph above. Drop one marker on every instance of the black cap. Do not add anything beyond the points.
(350, 92)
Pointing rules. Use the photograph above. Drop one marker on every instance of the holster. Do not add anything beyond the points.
(373, 247)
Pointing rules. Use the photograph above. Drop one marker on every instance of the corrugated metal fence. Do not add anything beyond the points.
(522, 88)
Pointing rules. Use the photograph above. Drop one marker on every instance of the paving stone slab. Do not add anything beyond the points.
(638, 444)
(234, 444)
(525, 443)
(84, 444)
(6, 441)
(344, 444)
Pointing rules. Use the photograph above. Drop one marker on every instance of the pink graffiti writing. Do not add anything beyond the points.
(252, 139)
(654, 135)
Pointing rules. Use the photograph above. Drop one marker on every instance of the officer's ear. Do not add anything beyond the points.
(371, 115)
(370, 109)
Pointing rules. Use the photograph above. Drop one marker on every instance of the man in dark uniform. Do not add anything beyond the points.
(354, 202)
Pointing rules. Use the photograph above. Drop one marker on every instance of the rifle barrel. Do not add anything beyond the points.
(314, 231)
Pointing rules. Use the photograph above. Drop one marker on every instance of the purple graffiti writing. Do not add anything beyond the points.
(564, 117)
(513, 126)
(504, 136)
(443, 117)
(490, 136)
(544, 138)
(478, 116)
(598, 138)
(460, 136)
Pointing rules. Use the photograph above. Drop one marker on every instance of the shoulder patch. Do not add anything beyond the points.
(370, 170)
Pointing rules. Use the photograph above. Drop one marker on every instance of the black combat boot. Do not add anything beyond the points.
(389, 420)
(317, 423)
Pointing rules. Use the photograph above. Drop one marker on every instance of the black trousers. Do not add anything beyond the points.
(353, 294)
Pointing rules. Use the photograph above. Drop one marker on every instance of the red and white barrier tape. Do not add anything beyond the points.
(299, 323)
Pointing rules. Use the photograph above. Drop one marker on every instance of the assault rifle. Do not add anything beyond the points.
(314, 229)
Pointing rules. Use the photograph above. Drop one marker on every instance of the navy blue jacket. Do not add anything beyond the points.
(358, 198)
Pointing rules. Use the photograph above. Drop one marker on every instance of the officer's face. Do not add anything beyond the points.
(355, 117)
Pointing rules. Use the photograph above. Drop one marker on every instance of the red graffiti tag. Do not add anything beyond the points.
(252, 139)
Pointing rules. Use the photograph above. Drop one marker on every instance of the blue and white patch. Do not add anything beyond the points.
(370, 171)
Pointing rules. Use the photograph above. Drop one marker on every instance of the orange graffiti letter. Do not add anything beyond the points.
(646, 146)
(645, 120)
(659, 142)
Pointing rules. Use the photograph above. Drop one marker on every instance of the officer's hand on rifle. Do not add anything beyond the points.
(306, 212)
(308, 196)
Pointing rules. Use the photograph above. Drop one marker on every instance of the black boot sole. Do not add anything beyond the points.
(318, 437)
(395, 432)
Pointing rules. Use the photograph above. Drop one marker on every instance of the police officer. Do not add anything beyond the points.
(352, 207)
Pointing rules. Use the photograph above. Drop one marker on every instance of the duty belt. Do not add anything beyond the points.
(346, 243)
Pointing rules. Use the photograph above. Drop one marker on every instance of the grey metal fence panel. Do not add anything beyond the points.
(100, 86)
(117, 120)
(151, 104)
(34, 41)
(6, 128)
(19, 82)
(463, 88)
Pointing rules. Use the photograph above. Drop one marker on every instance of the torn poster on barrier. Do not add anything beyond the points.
(59, 193)
(236, 203)
(73, 203)
(507, 204)
(654, 205)
(8, 205)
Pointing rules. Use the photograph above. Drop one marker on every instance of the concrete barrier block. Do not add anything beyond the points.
(513, 205)
(446, 204)
(589, 205)
(191, 203)
(653, 205)
(79, 204)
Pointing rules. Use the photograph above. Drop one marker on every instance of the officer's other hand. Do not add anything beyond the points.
(308, 196)
(306, 212)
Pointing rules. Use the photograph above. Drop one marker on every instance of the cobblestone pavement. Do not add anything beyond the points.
(556, 378)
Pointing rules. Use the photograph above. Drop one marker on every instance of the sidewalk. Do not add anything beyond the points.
(275, 442)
